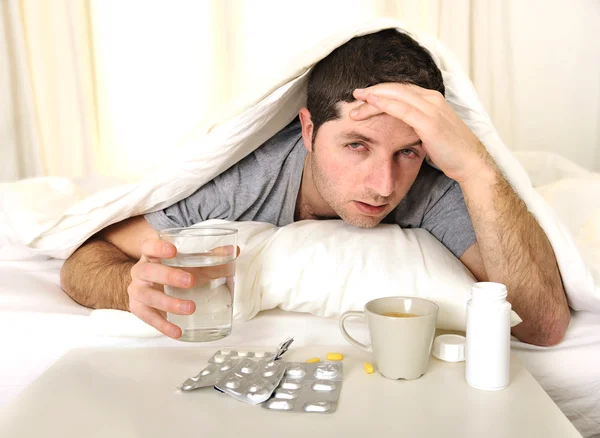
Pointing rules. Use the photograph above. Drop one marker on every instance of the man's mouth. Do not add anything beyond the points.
(369, 209)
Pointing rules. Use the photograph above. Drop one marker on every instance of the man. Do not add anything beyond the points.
(375, 110)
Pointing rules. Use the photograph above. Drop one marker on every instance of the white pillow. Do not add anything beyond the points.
(327, 267)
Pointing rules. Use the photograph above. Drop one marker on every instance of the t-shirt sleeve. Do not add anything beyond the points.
(448, 221)
(204, 204)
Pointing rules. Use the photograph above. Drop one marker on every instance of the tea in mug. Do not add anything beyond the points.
(400, 315)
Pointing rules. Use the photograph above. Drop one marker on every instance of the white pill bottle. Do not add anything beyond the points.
(487, 352)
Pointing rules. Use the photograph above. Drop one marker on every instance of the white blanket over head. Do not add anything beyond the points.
(56, 222)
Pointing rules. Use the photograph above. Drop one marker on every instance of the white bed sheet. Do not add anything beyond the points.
(39, 323)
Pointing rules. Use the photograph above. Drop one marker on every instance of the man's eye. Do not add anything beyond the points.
(408, 153)
(356, 147)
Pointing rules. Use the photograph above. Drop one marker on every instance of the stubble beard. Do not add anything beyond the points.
(326, 190)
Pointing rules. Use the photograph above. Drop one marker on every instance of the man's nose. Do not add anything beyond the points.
(382, 179)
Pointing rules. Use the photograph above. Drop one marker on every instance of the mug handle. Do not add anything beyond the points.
(354, 314)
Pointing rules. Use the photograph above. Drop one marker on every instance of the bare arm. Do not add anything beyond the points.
(98, 273)
(97, 276)
(514, 250)
(119, 268)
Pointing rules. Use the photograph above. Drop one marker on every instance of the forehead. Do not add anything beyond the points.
(382, 127)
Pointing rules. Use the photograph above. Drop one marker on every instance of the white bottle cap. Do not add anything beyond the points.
(488, 292)
(449, 348)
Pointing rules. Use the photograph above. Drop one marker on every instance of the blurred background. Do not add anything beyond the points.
(107, 88)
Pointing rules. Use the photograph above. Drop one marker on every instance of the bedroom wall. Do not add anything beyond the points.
(556, 59)
(536, 64)
(152, 72)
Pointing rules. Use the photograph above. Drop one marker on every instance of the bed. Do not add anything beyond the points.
(39, 323)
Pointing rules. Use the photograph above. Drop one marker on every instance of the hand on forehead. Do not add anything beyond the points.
(378, 124)
(408, 93)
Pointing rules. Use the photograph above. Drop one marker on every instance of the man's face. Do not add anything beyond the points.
(362, 170)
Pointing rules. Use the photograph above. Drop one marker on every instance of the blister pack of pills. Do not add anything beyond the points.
(224, 355)
(223, 361)
(308, 387)
(210, 375)
(252, 382)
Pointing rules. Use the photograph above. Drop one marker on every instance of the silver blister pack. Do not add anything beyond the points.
(308, 387)
(223, 355)
(210, 375)
(224, 360)
(252, 382)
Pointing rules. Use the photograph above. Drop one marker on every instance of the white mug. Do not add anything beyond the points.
(401, 345)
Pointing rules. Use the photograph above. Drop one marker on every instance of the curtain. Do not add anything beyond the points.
(109, 88)
(157, 66)
(49, 124)
(20, 150)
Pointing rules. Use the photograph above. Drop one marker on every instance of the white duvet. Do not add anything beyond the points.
(319, 267)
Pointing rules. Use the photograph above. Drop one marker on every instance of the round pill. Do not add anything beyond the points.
(226, 352)
(242, 353)
(368, 368)
(280, 405)
(255, 387)
(286, 393)
(259, 354)
(232, 383)
(247, 369)
(313, 360)
(323, 406)
(328, 371)
(296, 372)
(323, 385)
(259, 396)
(219, 358)
(291, 384)
(209, 369)
(335, 356)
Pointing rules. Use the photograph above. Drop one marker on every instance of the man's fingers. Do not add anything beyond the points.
(411, 94)
(161, 274)
(390, 89)
(225, 250)
(158, 249)
(205, 274)
(155, 319)
(411, 115)
(364, 111)
(154, 250)
(159, 300)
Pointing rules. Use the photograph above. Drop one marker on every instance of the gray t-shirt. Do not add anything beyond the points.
(264, 187)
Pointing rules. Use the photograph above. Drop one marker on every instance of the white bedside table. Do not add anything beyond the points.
(125, 392)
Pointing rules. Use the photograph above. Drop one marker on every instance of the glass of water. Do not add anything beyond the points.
(209, 255)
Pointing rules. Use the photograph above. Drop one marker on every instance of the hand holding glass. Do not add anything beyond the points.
(209, 255)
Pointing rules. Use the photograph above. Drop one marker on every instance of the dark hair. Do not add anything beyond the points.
(385, 56)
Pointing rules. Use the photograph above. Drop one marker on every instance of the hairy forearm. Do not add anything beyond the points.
(515, 251)
(97, 276)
